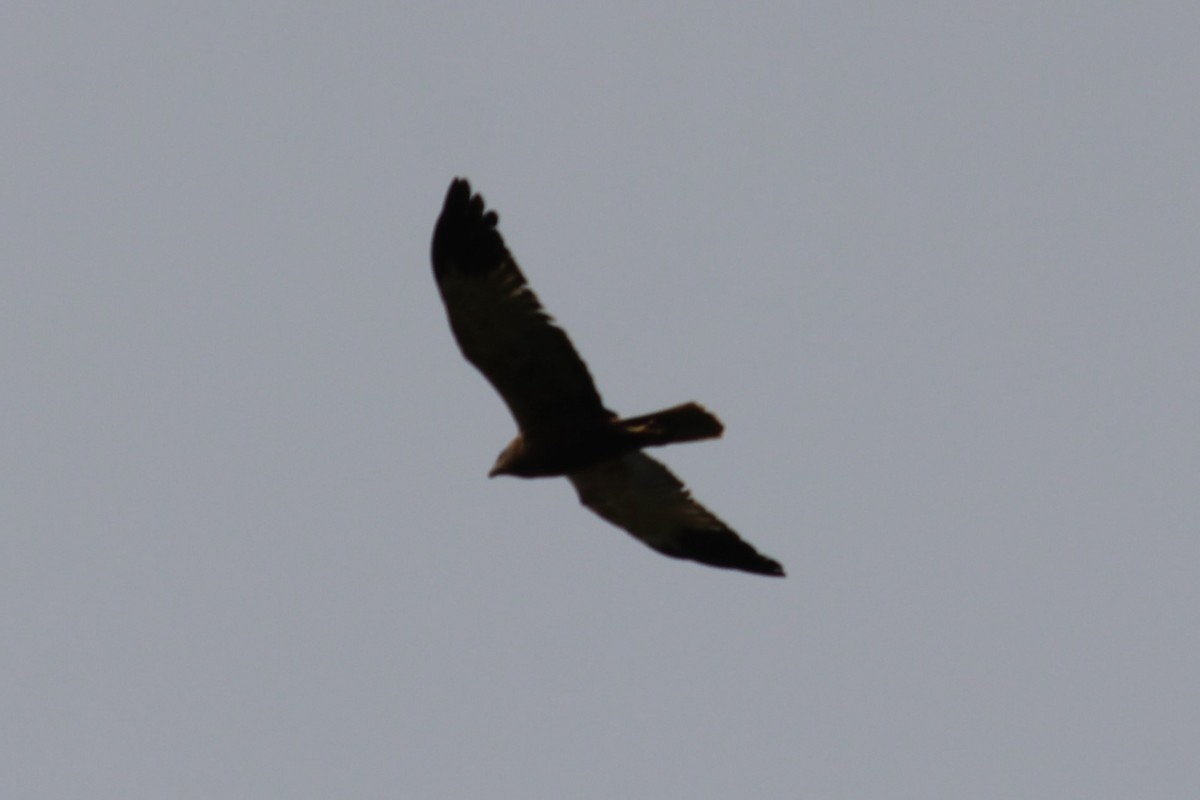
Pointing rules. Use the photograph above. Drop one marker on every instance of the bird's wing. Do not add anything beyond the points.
(500, 326)
(639, 494)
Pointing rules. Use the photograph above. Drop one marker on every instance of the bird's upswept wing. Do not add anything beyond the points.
(639, 494)
(500, 326)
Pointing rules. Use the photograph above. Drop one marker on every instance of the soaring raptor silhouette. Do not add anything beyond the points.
(564, 428)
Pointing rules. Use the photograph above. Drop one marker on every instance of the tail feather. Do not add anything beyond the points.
(689, 422)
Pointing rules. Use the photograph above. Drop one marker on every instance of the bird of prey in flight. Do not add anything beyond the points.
(564, 428)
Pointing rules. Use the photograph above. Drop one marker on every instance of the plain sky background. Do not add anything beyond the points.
(936, 265)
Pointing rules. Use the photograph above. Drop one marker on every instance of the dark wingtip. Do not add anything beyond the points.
(761, 565)
(775, 571)
(466, 233)
(756, 564)
(459, 191)
(726, 550)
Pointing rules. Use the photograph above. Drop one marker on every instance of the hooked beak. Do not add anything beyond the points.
(493, 472)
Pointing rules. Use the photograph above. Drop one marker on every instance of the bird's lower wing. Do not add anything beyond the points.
(639, 494)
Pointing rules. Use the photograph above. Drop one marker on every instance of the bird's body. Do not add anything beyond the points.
(564, 428)
(564, 444)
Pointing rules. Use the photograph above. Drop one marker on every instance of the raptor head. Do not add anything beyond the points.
(509, 460)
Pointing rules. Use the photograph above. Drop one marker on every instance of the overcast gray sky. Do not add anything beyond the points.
(936, 266)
